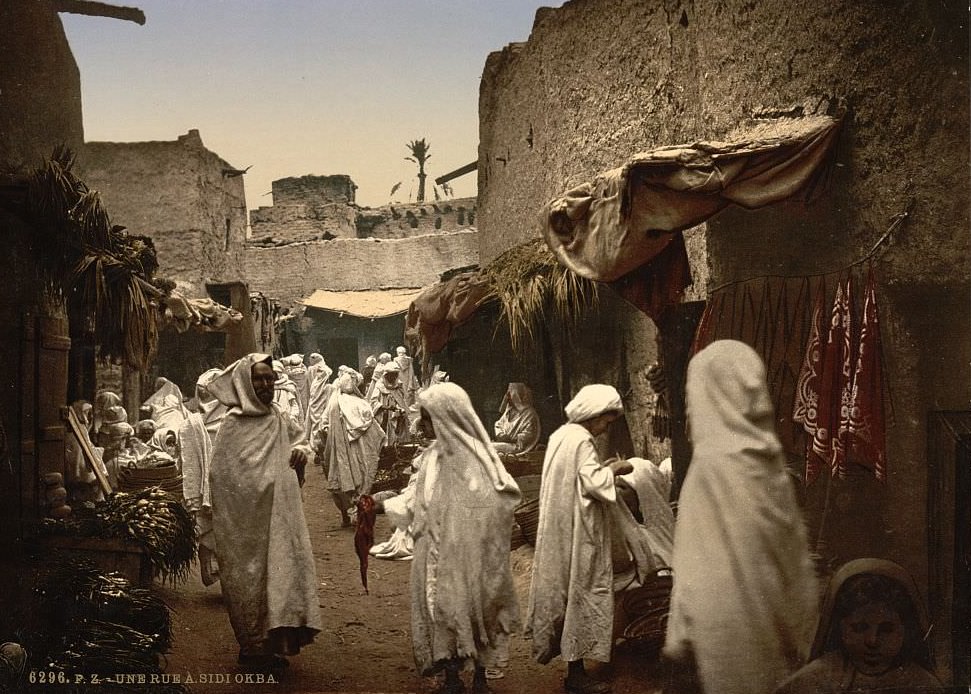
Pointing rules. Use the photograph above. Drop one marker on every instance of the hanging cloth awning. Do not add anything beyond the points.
(610, 228)
(203, 315)
(441, 307)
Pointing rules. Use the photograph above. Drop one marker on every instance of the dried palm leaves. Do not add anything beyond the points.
(532, 288)
(95, 265)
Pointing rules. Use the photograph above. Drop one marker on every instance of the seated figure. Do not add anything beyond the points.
(518, 427)
(871, 635)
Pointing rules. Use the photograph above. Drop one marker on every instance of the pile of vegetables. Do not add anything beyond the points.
(97, 624)
(151, 517)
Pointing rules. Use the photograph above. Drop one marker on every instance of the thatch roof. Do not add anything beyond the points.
(532, 287)
(99, 269)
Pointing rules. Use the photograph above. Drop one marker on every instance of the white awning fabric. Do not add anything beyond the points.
(372, 303)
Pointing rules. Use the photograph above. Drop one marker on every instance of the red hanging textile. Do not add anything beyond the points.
(829, 439)
(866, 435)
(805, 410)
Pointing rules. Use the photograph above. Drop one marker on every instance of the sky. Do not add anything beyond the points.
(296, 87)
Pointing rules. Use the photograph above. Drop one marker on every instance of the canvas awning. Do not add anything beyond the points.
(372, 303)
(610, 228)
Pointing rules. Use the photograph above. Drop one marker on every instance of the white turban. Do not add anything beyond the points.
(592, 401)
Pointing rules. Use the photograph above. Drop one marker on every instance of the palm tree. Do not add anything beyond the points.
(419, 155)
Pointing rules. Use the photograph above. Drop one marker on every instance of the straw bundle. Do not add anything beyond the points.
(533, 287)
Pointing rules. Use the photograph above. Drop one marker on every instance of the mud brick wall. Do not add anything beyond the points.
(600, 80)
(293, 271)
(178, 193)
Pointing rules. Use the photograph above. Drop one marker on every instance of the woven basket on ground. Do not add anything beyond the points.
(647, 607)
(527, 518)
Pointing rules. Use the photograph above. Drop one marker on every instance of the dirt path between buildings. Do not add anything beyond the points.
(366, 642)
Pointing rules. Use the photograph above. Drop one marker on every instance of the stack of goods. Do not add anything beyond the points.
(96, 624)
(152, 518)
(394, 467)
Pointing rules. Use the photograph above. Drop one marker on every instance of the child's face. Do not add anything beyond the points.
(872, 635)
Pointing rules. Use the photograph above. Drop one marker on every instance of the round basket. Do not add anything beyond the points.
(527, 517)
(167, 478)
(648, 630)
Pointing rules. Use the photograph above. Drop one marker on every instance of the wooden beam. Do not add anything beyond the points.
(100, 9)
(461, 171)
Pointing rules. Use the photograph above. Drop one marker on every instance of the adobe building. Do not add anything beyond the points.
(896, 77)
(348, 273)
(40, 111)
(191, 203)
(187, 198)
(320, 208)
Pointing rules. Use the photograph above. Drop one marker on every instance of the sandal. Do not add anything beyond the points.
(586, 685)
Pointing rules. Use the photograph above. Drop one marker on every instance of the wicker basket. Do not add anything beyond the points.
(527, 518)
(166, 477)
(648, 607)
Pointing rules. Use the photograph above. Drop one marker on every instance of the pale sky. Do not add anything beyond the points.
(295, 87)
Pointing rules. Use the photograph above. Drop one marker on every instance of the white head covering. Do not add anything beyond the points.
(234, 386)
(384, 358)
(401, 351)
(592, 401)
(315, 358)
(745, 592)
(464, 502)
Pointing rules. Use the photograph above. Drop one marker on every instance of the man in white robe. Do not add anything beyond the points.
(298, 374)
(571, 601)
(389, 404)
(352, 446)
(263, 545)
(196, 436)
(406, 369)
(285, 394)
(518, 428)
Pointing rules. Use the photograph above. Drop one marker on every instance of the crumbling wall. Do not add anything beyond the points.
(312, 216)
(307, 208)
(293, 271)
(600, 80)
(396, 221)
(185, 197)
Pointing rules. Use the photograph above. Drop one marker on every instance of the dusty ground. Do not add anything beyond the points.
(366, 644)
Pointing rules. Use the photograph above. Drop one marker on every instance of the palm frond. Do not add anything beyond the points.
(96, 265)
(532, 287)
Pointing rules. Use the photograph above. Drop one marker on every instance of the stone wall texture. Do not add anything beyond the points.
(416, 219)
(599, 80)
(181, 195)
(293, 271)
(308, 216)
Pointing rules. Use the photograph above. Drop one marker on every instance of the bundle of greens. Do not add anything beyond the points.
(151, 517)
(99, 625)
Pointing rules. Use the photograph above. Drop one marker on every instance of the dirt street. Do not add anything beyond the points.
(366, 642)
